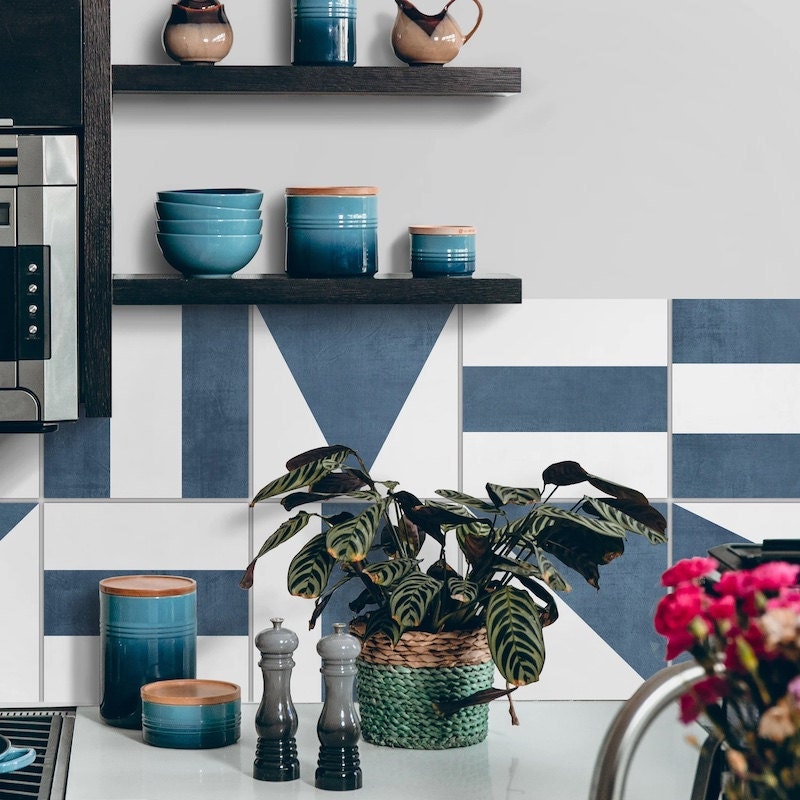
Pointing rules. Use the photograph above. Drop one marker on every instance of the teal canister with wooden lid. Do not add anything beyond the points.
(148, 632)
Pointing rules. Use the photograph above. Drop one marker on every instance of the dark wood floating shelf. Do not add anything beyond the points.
(401, 80)
(139, 290)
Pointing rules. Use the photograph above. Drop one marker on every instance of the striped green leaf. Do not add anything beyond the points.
(524, 531)
(612, 514)
(549, 574)
(411, 598)
(304, 475)
(351, 540)
(310, 569)
(605, 527)
(285, 532)
(463, 591)
(515, 635)
(385, 573)
(510, 495)
(465, 500)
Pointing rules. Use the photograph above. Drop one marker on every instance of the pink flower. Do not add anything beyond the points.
(737, 584)
(688, 570)
(674, 614)
(723, 609)
(774, 575)
(776, 723)
(704, 693)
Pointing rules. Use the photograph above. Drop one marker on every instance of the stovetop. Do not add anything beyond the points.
(49, 732)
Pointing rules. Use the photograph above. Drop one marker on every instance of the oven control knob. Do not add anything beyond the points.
(33, 330)
(32, 309)
(33, 288)
(33, 268)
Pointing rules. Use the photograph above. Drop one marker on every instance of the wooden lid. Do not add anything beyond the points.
(190, 692)
(335, 191)
(443, 230)
(148, 585)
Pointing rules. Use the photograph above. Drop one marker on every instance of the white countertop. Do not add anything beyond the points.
(550, 756)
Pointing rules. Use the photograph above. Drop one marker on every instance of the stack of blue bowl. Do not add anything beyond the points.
(209, 233)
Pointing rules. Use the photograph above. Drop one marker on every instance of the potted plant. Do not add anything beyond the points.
(408, 611)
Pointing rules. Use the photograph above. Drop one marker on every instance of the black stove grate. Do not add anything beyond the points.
(49, 732)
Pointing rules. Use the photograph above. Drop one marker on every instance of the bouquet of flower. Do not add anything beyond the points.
(743, 628)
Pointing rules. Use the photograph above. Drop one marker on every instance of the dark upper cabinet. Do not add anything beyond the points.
(41, 65)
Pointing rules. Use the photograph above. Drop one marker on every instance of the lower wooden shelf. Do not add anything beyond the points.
(486, 288)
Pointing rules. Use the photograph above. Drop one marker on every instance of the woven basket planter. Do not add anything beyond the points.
(398, 685)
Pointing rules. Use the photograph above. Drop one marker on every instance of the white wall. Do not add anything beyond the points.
(653, 151)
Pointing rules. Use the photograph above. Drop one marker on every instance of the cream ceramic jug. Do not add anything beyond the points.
(428, 39)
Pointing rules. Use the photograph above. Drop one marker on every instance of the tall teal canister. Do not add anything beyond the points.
(331, 231)
(324, 32)
(148, 632)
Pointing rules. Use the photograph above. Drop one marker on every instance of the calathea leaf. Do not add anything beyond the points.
(335, 451)
(580, 548)
(386, 573)
(515, 567)
(430, 518)
(607, 528)
(285, 531)
(363, 600)
(446, 708)
(352, 539)
(310, 569)
(617, 490)
(550, 575)
(338, 519)
(465, 500)
(442, 571)
(411, 598)
(644, 520)
(295, 499)
(523, 532)
(565, 473)
(462, 591)
(515, 635)
(405, 535)
(549, 614)
(304, 475)
(509, 495)
(474, 543)
(338, 483)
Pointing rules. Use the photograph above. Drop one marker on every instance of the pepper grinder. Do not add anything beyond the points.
(339, 727)
(276, 718)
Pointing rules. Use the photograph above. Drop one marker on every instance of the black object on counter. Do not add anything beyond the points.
(276, 717)
(339, 727)
(746, 555)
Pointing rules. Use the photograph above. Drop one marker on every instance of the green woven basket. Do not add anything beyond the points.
(397, 687)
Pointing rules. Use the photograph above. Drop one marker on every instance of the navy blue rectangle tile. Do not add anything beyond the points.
(565, 399)
(736, 331)
(736, 465)
(77, 459)
(215, 416)
(72, 601)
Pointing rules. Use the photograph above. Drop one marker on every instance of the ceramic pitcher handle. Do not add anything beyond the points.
(477, 22)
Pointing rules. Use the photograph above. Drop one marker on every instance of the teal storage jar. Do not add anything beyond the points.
(323, 32)
(191, 714)
(332, 232)
(444, 251)
(148, 632)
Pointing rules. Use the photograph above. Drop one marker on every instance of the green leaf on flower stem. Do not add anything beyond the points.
(352, 539)
(411, 598)
(304, 475)
(386, 573)
(510, 495)
(310, 569)
(515, 635)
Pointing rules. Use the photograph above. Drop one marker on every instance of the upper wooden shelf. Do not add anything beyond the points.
(402, 80)
(272, 289)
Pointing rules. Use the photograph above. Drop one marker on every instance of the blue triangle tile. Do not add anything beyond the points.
(356, 365)
(693, 535)
(11, 514)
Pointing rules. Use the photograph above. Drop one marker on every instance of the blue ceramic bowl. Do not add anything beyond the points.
(227, 227)
(192, 211)
(442, 250)
(208, 256)
(226, 198)
(191, 714)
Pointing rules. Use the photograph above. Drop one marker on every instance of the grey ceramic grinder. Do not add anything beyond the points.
(339, 727)
(276, 718)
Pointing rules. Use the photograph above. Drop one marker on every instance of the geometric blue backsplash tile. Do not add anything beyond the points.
(565, 399)
(736, 331)
(11, 514)
(72, 603)
(77, 459)
(693, 535)
(736, 465)
(215, 403)
(357, 368)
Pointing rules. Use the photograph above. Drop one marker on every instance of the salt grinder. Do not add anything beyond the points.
(339, 727)
(276, 718)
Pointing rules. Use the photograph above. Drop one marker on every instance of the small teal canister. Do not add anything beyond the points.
(148, 632)
(445, 251)
(331, 232)
(323, 32)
